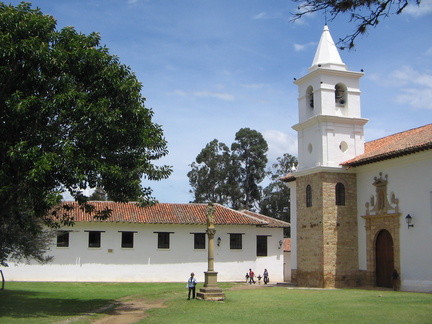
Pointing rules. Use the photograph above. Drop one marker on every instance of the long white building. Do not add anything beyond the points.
(162, 243)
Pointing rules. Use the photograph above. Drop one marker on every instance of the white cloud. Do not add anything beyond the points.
(299, 47)
(416, 98)
(424, 9)
(280, 143)
(204, 94)
(210, 94)
(261, 15)
(417, 87)
(302, 47)
(254, 86)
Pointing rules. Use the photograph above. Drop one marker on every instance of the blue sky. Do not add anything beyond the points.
(211, 67)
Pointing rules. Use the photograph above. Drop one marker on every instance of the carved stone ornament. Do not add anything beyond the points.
(379, 203)
(210, 215)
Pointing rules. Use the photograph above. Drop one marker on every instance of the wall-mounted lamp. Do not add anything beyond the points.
(219, 241)
(408, 220)
(280, 243)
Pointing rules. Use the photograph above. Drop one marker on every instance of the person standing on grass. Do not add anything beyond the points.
(192, 282)
(251, 276)
(266, 278)
(395, 279)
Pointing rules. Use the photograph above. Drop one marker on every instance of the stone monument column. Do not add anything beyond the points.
(210, 291)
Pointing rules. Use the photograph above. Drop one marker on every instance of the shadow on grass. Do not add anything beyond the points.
(31, 304)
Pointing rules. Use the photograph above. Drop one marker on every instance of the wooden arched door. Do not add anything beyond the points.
(384, 259)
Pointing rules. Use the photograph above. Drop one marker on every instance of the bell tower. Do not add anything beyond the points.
(330, 131)
(330, 128)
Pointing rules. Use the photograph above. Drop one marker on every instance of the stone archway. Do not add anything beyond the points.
(382, 234)
(375, 226)
(384, 259)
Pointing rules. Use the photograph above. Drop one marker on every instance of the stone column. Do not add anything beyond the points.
(210, 291)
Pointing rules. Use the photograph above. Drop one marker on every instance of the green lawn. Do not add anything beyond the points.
(27, 302)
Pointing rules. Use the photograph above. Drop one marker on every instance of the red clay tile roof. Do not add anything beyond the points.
(165, 213)
(272, 222)
(408, 142)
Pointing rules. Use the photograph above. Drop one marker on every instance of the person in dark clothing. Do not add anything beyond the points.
(266, 277)
(395, 279)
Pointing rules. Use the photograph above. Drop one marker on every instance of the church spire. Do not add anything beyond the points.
(327, 54)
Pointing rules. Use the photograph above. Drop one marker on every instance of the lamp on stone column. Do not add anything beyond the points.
(219, 241)
(408, 220)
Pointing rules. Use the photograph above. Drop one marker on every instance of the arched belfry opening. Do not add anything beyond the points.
(340, 95)
(309, 97)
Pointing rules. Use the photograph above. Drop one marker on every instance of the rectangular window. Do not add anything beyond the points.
(235, 241)
(199, 241)
(261, 245)
(62, 239)
(127, 240)
(94, 240)
(163, 240)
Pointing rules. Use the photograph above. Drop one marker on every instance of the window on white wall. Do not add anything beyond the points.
(62, 239)
(94, 239)
(163, 240)
(236, 241)
(199, 241)
(261, 245)
(127, 239)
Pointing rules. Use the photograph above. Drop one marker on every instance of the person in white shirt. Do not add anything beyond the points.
(192, 282)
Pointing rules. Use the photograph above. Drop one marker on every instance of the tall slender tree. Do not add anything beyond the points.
(249, 153)
(209, 177)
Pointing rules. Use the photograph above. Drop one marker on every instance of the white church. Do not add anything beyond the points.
(359, 210)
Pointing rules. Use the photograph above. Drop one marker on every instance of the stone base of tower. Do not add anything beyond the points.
(318, 279)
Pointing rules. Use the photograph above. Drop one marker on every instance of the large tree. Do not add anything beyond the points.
(71, 117)
(276, 196)
(231, 177)
(365, 14)
(249, 153)
(209, 177)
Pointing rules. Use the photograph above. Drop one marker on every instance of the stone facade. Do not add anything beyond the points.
(327, 235)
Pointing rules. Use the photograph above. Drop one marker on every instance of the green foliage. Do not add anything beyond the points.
(210, 174)
(72, 117)
(230, 177)
(249, 153)
(365, 13)
(276, 196)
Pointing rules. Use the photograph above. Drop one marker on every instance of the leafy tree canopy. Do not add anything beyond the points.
(231, 177)
(71, 117)
(365, 14)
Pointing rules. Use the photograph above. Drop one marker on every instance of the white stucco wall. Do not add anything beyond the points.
(410, 178)
(146, 263)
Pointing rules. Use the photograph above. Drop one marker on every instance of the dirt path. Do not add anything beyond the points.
(129, 310)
